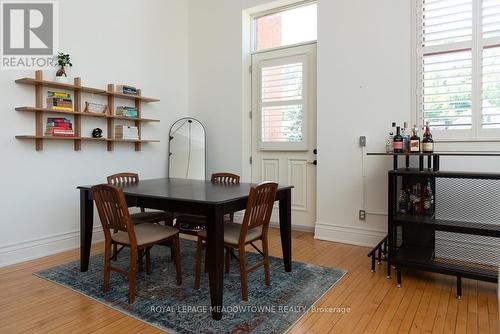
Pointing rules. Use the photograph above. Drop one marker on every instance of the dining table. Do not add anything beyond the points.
(198, 197)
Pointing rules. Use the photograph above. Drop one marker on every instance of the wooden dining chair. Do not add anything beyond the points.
(122, 179)
(114, 216)
(236, 236)
(194, 222)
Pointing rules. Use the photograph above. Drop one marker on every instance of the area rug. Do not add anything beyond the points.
(182, 309)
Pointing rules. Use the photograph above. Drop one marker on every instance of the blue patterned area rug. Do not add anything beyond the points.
(182, 309)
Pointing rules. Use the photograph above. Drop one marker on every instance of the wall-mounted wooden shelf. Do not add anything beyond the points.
(77, 89)
(60, 85)
(59, 138)
(128, 96)
(131, 118)
(87, 139)
(65, 112)
(85, 114)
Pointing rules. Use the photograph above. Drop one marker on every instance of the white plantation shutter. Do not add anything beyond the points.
(282, 103)
(459, 67)
(490, 18)
(445, 66)
(447, 91)
(490, 118)
(446, 21)
(490, 67)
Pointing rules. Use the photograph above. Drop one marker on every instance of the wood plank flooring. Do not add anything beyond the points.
(426, 303)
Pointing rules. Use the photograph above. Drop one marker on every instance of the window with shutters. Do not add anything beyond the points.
(283, 103)
(458, 81)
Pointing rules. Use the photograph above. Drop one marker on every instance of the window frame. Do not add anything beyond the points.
(253, 27)
(285, 146)
(476, 45)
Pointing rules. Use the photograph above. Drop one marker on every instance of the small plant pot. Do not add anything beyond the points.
(62, 79)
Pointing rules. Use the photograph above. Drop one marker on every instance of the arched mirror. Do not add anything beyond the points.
(187, 149)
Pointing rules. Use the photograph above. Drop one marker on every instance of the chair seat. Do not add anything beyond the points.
(146, 233)
(232, 233)
(149, 217)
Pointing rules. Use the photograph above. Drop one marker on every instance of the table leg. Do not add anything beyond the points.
(286, 228)
(215, 253)
(86, 226)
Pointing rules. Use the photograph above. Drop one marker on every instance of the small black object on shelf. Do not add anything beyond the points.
(97, 133)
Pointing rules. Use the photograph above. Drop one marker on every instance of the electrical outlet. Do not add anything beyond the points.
(362, 215)
(362, 141)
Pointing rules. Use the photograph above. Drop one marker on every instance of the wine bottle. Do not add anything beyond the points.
(398, 141)
(427, 141)
(415, 141)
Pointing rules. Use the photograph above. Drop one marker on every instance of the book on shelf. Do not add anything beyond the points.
(59, 102)
(59, 127)
(58, 94)
(125, 89)
(127, 111)
(126, 132)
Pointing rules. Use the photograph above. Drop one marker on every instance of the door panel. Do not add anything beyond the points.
(284, 125)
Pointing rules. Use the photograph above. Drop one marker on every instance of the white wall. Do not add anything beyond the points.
(143, 43)
(364, 83)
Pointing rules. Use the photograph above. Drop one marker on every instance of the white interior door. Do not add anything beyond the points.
(284, 125)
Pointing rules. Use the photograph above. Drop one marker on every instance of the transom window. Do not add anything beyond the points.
(289, 26)
(458, 50)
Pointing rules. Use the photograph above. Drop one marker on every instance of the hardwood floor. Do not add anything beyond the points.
(426, 303)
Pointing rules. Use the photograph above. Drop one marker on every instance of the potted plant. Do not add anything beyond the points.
(63, 60)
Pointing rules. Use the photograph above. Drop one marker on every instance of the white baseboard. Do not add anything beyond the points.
(302, 228)
(37, 248)
(354, 235)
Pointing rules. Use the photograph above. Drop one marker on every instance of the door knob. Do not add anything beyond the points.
(315, 162)
(315, 151)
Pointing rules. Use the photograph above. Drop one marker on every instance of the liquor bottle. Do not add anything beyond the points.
(409, 199)
(418, 202)
(429, 201)
(406, 137)
(427, 141)
(415, 141)
(398, 141)
(402, 202)
(389, 148)
(412, 200)
(426, 202)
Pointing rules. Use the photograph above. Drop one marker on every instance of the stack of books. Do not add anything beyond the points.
(124, 89)
(59, 127)
(59, 101)
(126, 111)
(126, 132)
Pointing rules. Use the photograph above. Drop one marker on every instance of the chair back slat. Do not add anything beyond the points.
(259, 208)
(121, 179)
(227, 178)
(113, 210)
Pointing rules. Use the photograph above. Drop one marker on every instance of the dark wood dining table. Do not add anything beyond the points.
(199, 197)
